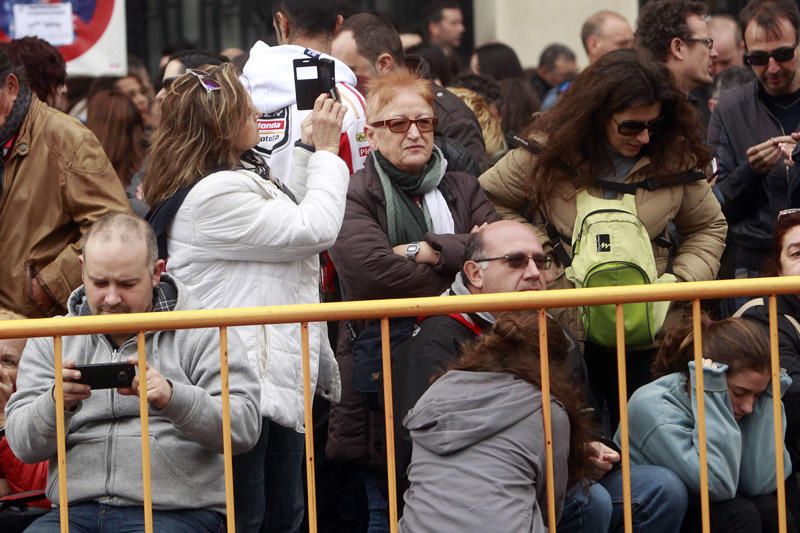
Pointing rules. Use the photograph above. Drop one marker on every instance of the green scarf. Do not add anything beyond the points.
(406, 221)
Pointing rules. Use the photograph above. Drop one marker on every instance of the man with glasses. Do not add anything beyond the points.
(753, 134)
(675, 32)
(507, 256)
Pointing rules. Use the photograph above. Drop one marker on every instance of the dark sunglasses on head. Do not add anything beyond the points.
(629, 128)
(780, 55)
(520, 260)
(402, 125)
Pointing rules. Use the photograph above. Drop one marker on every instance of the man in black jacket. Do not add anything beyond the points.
(371, 47)
(753, 134)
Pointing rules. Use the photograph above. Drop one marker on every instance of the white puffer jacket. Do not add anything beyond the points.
(239, 241)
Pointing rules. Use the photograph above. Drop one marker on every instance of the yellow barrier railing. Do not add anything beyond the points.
(385, 309)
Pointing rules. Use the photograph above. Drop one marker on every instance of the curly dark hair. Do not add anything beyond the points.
(44, 67)
(486, 87)
(575, 128)
(660, 21)
(513, 347)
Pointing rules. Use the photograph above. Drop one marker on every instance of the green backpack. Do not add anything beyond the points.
(611, 248)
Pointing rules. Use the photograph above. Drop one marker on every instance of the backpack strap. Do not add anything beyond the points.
(755, 302)
(653, 183)
(462, 318)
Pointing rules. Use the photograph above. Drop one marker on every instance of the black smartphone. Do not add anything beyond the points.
(107, 375)
(312, 77)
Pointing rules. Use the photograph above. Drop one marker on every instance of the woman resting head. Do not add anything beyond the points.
(735, 342)
(625, 104)
(513, 347)
(207, 122)
(401, 121)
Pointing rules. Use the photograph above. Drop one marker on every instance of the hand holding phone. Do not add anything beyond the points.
(159, 389)
(313, 76)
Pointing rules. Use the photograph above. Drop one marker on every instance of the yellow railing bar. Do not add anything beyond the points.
(145, 421)
(701, 414)
(320, 312)
(547, 420)
(777, 410)
(61, 435)
(308, 394)
(623, 420)
(230, 515)
(388, 409)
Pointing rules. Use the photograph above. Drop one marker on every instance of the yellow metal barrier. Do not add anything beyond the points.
(384, 309)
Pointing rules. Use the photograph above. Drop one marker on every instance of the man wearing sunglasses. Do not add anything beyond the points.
(753, 133)
(507, 256)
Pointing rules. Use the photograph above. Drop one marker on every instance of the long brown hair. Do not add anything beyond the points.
(197, 131)
(512, 347)
(736, 342)
(118, 125)
(575, 127)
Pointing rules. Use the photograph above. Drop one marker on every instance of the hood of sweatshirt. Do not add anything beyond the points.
(269, 74)
(464, 408)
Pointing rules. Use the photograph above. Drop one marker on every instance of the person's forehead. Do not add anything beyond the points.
(614, 26)
(756, 35)
(12, 346)
(108, 255)
(508, 239)
(451, 14)
(697, 26)
(174, 68)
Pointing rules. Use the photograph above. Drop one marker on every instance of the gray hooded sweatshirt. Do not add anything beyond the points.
(104, 457)
(479, 456)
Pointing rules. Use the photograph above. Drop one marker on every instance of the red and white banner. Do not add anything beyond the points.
(89, 33)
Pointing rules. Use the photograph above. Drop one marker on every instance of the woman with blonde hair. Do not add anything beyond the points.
(237, 237)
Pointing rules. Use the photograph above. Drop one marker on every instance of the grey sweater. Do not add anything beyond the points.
(104, 458)
(479, 456)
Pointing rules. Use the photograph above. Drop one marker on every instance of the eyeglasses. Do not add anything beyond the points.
(780, 55)
(208, 83)
(708, 41)
(402, 125)
(629, 128)
(520, 260)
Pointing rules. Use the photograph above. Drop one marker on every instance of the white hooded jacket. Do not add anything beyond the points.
(239, 241)
(269, 75)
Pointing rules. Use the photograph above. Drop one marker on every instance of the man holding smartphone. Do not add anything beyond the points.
(121, 274)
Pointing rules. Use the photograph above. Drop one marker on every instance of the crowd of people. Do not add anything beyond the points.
(669, 158)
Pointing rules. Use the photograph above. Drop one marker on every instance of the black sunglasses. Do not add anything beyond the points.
(520, 260)
(629, 128)
(402, 125)
(780, 55)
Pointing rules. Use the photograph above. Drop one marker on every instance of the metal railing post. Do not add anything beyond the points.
(308, 395)
(61, 434)
(701, 415)
(145, 422)
(230, 514)
(777, 411)
(623, 420)
(547, 420)
(388, 399)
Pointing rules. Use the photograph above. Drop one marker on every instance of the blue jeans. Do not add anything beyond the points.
(586, 510)
(94, 517)
(268, 482)
(377, 502)
(659, 499)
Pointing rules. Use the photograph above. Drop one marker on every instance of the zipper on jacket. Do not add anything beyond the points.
(783, 133)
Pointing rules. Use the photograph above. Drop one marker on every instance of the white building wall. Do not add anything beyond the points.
(529, 26)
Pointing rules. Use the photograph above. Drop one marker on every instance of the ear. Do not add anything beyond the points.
(158, 269)
(281, 24)
(11, 86)
(676, 48)
(591, 44)
(370, 132)
(384, 64)
(339, 20)
(474, 274)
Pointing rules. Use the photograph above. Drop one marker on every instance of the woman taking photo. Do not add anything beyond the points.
(237, 238)
(478, 460)
(739, 423)
(622, 125)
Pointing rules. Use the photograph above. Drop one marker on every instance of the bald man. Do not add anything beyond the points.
(604, 32)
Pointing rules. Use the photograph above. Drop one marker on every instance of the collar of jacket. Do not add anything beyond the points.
(22, 145)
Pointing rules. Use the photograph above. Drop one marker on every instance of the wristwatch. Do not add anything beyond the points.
(412, 250)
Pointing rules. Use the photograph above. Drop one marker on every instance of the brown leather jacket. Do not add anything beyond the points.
(369, 269)
(56, 182)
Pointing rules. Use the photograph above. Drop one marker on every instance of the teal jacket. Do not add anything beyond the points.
(741, 458)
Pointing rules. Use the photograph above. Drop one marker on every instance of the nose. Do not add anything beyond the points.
(643, 136)
(532, 271)
(773, 66)
(746, 406)
(713, 52)
(413, 131)
(112, 297)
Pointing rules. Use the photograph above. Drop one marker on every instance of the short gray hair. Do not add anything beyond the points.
(128, 228)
